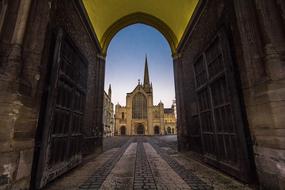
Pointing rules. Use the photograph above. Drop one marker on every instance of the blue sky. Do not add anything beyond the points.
(125, 63)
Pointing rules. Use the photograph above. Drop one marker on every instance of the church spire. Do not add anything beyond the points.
(146, 74)
(110, 91)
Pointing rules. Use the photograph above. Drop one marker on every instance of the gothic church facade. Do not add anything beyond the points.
(140, 116)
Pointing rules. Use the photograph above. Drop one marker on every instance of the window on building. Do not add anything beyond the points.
(123, 115)
(139, 106)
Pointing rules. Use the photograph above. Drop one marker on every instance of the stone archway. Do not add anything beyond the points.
(156, 130)
(123, 130)
(143, 18)
(140, 129)
(217, 49)
(245, 58)
(168, 130)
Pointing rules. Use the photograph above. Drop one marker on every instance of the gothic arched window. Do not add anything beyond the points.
(139, 106)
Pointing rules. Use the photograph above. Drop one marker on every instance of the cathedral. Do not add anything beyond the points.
(140, 116)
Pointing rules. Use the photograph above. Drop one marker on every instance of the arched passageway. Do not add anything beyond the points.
(156, 130)
(140, 129)
(123, 130)
(142, 18)
(215, 79)
(52, 82)
(212, 74)
(168, 130)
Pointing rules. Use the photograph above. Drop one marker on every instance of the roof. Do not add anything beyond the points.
(168, 110)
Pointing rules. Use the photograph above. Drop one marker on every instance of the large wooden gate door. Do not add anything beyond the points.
(219, 111)
(61, 143)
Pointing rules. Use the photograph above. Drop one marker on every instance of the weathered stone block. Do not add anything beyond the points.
(278, 110)
(21, 184)
(23, 145)
(25, 124)
(6, 146)
(258, 115)
(271, 141)
(25, 164)
(270, 165)
(8, 165)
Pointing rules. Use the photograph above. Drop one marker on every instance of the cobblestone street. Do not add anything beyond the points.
(143, 163)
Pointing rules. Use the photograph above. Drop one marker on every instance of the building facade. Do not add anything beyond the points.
(140, 116)
(108, 114)
(170, 120)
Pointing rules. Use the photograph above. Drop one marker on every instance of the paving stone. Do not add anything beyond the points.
(101, 174)
(143, 175)
(153, 165)
(193, 181)
(121, 176)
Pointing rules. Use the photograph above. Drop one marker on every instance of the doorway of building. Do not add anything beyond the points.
(123, 130)
(140, 129)
(168, 130)
(156, 130)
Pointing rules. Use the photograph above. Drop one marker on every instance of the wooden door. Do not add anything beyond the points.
(61, 146)
(219, 111)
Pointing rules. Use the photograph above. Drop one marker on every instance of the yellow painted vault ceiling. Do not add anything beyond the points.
(174, 13)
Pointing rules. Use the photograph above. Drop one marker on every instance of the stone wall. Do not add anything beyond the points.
(258, 44)
(265, 95)
(25, 40)
(18, 114)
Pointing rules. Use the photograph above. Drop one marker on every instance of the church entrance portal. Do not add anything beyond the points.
(168, 130)
(156, 130)
(123, 130)
(140, 129)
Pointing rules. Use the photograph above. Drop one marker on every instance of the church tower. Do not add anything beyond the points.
(146, 84)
